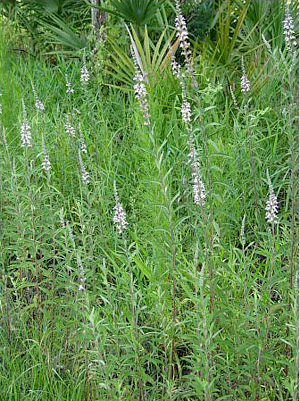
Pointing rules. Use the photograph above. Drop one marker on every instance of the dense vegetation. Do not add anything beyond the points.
(148, 201)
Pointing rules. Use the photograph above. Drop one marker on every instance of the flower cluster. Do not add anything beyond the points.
(243, 237)
(186, 111)
(81, 276)
(245, 83)
(272, 204)
(176, 68)
(140, 89)
(84, 73)
(185, 106)
(201, 277)
(199, 191)
(289, 30)
(46, 164)
(37, 102)
(119, 218)
(68, 85)
(25, 129)
(84, 173)
(83, 144)
(181, 27)
(70, 130)
(182, 34)
(82, 141)
(267, 44)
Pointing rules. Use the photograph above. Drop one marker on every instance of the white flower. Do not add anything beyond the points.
(243, 237)
(201, 276)
(38, 103)
(186, 111)
(84, 73)
(83, 145)
(289, 30)
(182, 34)
(140, 89)
(267, 44)
(245, 83)
(176, 68)
(186, 106)
(25, 130)
(68, 85)
(84, 173)
(69, 128)
(82, 141)
(119, 218)
(46, 164)
(272, 204)
(199, 191)
(81, 273)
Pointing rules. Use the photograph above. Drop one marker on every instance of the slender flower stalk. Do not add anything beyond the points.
(289, 31)
(83, 147)
(199, 191)
(198, 185)
(185, 106)
(182, 34)
(176, 69)
(140, 89)
(0, 103)
(25, 129)
(271, 217)
(95, 18)
(68, 85)
(186, 111)
(267, 44)
(83, 144)
(46, 164)
(272, 204)
(70, 130)
(119, 218)
(243, 237)
(37, 102)
(235, 103)
(245, 83)
(84, 73)
(81, 273)
(85, 175)
(243, 243)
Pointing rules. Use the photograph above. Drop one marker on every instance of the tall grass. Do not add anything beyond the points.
(91, 313)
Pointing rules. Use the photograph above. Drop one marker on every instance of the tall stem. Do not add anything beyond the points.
(168, 207)
(211, 218)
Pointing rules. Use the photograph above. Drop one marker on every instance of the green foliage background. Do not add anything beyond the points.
(118, 339)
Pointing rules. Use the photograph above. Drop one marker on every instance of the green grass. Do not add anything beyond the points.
(119, 339)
